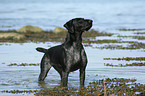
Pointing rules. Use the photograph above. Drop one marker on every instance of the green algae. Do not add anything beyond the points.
(48, 36)
(94, 41)
(23, 64)
(5, 44)
(117, 86)
(134, 37)
(95, 33)
(88, 45)
(100, 41)
(139, 37)
(127, 58)
(131, 46)
(122, 65)
(125, 29)
(89, 38)
(19, 91)
(106, 86)
(139, 33)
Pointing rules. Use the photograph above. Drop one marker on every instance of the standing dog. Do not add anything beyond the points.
(69, 56)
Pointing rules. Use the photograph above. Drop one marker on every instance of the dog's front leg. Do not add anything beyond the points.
(64, 79)
(82, 77)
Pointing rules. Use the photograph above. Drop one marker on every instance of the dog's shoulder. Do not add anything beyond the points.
(54, 48)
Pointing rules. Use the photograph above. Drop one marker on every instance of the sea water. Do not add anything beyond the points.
(48, 14)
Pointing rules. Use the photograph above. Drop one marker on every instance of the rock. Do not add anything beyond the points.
(29, 28)
(12, 36)
(59, 30)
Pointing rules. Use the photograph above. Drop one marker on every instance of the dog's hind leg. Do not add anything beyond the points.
(64, 78)
(45, 67)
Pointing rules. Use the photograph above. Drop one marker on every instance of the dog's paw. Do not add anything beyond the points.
(43, 50)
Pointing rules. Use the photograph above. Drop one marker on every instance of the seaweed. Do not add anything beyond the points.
(139, 33)
(19, 91)
(134, 37)
(131, 46)
(139, 37)
(122, 65)
(127, 58)
(106, 86)
(125, 29)
(100, 41)
(95, 33)
(47, 36)
(23, 64)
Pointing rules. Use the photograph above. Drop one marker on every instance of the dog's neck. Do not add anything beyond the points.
(73, 39)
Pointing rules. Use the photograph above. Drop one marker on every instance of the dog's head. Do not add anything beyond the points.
(78, 25)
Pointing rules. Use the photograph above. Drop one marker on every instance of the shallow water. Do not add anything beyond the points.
(47, 14)
(25, 78)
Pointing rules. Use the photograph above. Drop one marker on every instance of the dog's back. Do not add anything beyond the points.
(63, 58)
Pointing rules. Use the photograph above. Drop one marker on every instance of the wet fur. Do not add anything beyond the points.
(70, 55)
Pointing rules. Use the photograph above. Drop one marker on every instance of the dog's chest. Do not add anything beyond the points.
(74, 55)
(74, 60)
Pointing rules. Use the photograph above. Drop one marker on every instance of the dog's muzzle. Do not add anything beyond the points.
(89, 21)
(89, 24)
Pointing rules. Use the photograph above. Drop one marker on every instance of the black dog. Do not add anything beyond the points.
(69, 56)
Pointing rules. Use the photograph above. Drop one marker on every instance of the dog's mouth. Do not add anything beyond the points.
(89, 24)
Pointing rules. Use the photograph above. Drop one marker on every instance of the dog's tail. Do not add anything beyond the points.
(43, 50)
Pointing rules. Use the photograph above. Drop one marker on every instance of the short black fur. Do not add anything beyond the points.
(70, 55)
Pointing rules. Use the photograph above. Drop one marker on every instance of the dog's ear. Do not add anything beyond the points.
(69, 26)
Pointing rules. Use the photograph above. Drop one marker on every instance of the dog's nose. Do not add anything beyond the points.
(90, 21)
